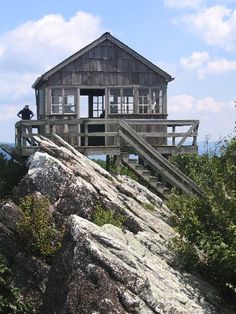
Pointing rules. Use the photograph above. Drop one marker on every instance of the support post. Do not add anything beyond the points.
(85, 133)
(108, 162)
(117, 163)
(78, 116)
(173, 137)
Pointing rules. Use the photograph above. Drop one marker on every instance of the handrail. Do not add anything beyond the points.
(72, 131)
(109, 121)
(160, 164)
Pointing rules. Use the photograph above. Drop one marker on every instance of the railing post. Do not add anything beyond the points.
(18, 137)
(54, 129)
(118, 136)
(79, 136)
(173, 137)
(47, 129)
(195, 136)
(23, 134)
(85, 133)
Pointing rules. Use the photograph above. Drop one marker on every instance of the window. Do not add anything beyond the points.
(143, 100)
(156, 101)
(63, 101)
(128, 100)
(150, 100)
(122, 100)
(69, 100)
(56, 101)
(41, 100)
(98, 106)
(115, 100)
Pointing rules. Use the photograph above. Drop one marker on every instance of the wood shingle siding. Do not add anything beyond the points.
(106, 66)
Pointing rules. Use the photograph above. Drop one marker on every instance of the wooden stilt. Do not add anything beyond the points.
(108, 162)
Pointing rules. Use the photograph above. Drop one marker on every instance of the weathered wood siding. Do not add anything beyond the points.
(106, 65)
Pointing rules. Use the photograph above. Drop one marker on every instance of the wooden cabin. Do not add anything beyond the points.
(108, 99)
(94, 89)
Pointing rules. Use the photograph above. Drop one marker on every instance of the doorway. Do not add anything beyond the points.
(92, 105)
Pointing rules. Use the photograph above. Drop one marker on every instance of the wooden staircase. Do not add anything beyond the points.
(146, 176)
(158, 165)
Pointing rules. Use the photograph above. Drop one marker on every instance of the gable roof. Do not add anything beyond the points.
(105, 36)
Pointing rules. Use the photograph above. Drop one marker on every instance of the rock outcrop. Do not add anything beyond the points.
(106, 269)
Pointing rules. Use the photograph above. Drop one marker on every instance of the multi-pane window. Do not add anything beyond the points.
(115, 100)
(150, 100)
(98, 106)
(143, 100)
(69, 100)
(41, 99)
(122, 100)
(63, 101)
(156, 101)
(56, 101)
(128, 100)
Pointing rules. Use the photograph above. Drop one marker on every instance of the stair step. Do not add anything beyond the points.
(132, 161)
(153, 179)
(146, 172)
(166, 192)
(125, 155)
(138, 166)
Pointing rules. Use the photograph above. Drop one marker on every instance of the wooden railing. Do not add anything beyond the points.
(167, 135)
(157, 162)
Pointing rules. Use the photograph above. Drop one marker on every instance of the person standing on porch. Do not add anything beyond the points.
(27, 114)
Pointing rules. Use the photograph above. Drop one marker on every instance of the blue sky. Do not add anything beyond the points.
(193, 40)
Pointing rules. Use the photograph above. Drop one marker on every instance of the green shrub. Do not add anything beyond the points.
(149, 206)
(209, 224)
(186, 256)
(11, 173)
(11, 300)
(102, 217)
(121, 170)
(36, 229)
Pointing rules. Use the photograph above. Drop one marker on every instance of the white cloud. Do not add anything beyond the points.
(216, 25)
(196, 60)
(217, 119)
(209, 105)
(206, 65)
(8, 113)
(183, 3)
(38, 45)
(181, 103)
(15, 86)
(217, 66)
(32, 48)
(188, 104)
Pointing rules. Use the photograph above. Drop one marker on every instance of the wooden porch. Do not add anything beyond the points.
(102, 136)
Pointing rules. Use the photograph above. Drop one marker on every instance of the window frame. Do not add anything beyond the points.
(63, 101)
(151, 106)
(123, 107)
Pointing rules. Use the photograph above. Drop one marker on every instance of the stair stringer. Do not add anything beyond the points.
(157, 162)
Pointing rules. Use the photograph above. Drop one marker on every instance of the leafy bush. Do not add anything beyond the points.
(149, 206)
(114, 169)
(102, 217)
(11, 301)
(36, 229)
(208, 225)
(10, 174)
